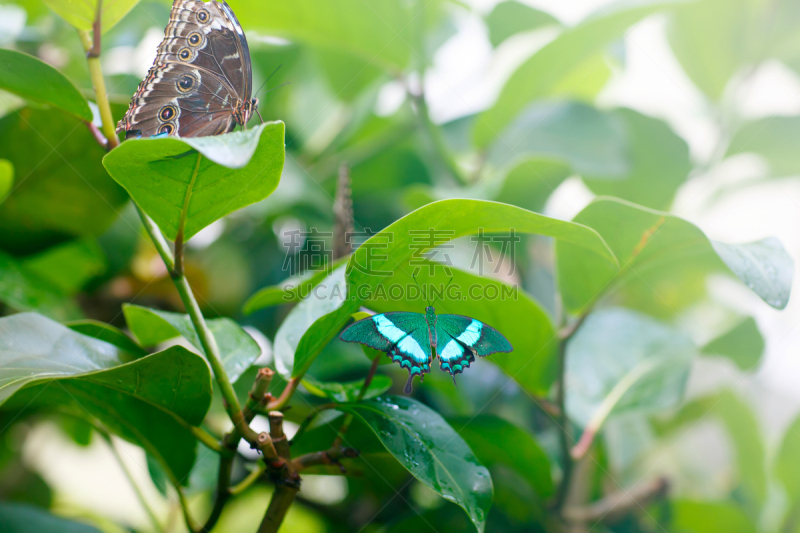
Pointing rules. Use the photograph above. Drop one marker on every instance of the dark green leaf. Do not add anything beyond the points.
(742, 344)
(66, 191)
(152, 327)
(149, 401)
(658, 163)
(431, 450)
(37, 81)
(347, 392)
(108, 333)
(81, 13)
(199, 180)
(621, 361)
(24, 291)
(509, 18)
(498, 442)
(68, 266)
(574, 63)
(665, 258)
(23, 518)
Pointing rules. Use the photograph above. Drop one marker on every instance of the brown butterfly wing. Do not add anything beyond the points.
(200, 75)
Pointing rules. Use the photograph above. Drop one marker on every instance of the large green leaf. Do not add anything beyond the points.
(621, 361)
(591, 142)
(383, 31)
(742, 344)
(82, 13)
(152, 326)
(37, 81)
(662, 257)
(431, 450)
(498, 442)
(573, 64)
(65, 190)
(191, 182)
(108, 333)
(516, 315)
(509, 18)
(21, 518)
(773, 138)
(658, 162)
(149, 401)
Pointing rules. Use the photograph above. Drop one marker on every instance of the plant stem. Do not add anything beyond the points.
(209, 441)
(564, 434)
(99, 85)
(223, 492)
(139, 494)
(251, 478)
(281, 401)
(282, 499)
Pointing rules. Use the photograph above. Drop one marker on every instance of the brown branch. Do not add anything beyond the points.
(616, 506)
(282, 499)
(343, 213)
(97, 32)
(281, 401)
(325, 458)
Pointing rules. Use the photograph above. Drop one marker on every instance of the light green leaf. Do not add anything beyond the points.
(658, 162)
(23, 290)
(498, 442)
(107, 333)
(620, 361)
(591, 142)
(22, 518)
(191, 182)
(773, 138)
(149, 401)
(572, 65)
(35, 80)
(664, 259)
(151, 327)
(68, 266)
(66, 191)
(787, 462)
(6, 178)
(431, 450)
(509, 18)
(709, 517)
(349, 391)
(742, 344)
(81, 13)
(764, 266)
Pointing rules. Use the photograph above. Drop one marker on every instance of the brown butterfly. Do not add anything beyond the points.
(201, 81)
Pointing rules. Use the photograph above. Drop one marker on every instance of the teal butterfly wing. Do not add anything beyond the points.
(403, 336)
(460, 338)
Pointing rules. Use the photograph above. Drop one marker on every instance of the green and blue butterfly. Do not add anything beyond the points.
(414, 339)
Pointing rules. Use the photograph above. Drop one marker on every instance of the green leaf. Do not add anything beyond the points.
(658, 161)
(573, 64)
(6, 178)
(35, 80)
(516, 315)
(431, 450)
(665, 258)
(709, 517)
(293, 289)
(21, 518)
(498, 442)
(107, 333)
(151, 327)
(787, 462)
(764, 266)
(81, 13)
(23, 290)
(149, 401)
(742, 344)
(591, 142)
(189, 183)
(531, 183)
(66, 191)
(68, 266)
(620, 361)
(509, 18)
(349, 391)
(773, 138)
(744, 430)
(311, 324)
(382, 32)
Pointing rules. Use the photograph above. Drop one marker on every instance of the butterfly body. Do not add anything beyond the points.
(201, 81)
(413, 340)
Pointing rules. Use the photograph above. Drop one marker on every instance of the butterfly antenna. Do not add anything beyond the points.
(268, 78)
(414, 277)
(259, 115)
